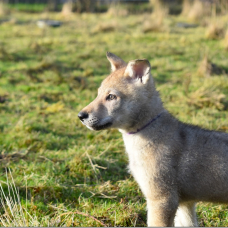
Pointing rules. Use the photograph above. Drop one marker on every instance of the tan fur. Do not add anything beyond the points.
(175, 164)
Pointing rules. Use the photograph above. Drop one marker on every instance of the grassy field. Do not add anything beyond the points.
(66, 174)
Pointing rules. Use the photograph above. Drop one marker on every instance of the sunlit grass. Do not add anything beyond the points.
(65, 173)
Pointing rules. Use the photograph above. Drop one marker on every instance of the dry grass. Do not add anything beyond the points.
(3, 9)
(156, 22)
(117, 11)
(67, 9)
(204, 11)
(226, 40)
(198, 10)
(207, 97)
(159, 8)
(153, 25)
(207, 68)
(186, 7)
(105, 27)
(214, 31)
(14, 215)
(223, 6)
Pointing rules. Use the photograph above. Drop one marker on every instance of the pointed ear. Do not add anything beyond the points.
(115, 61)
(139, 69)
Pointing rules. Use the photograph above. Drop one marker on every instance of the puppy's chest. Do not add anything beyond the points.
(142, 163)
(141, 156)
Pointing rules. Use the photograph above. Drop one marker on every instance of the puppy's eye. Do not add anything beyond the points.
(110, 97)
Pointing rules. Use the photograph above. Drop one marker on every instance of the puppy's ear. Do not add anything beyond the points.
(116, 62)
(138, 69)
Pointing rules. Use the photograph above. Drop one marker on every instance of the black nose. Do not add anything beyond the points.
(83, 115)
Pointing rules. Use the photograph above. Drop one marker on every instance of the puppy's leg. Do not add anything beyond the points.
(186, 215)
(161, 212)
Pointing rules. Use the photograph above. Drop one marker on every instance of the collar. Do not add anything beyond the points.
(140, 129)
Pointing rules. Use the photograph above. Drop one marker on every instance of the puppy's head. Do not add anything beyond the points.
(121, 96)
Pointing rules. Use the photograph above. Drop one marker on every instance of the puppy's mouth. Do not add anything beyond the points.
(95, 124)
(98, 127)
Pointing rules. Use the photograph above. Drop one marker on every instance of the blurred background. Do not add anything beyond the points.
(55, 171)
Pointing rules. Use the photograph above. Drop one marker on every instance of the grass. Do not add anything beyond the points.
(214, 31)
(33, 8)
(196, 10)
(65, 174)
(155, 23)
(226, 40)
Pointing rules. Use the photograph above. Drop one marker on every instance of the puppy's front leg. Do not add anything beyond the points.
(161, 212)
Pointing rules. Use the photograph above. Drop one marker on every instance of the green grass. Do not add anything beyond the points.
(61, 168)
(25, 7)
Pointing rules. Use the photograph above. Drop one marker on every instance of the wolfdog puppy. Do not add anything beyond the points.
(175, 164)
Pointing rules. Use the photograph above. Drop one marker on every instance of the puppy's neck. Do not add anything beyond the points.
(146, 114)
